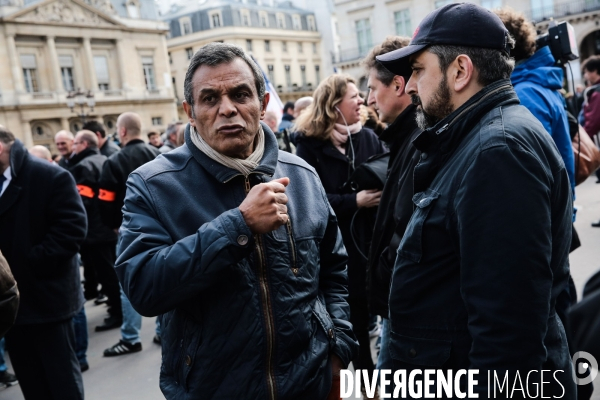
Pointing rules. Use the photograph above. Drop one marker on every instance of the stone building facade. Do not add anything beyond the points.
(107, 51)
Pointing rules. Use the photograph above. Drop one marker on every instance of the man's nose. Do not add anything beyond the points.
(370, 99)
(411, 86)
(227, 107)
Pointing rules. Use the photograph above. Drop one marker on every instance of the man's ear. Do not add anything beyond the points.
(189, 112)
(399, 85)
(463, 72)
(265, 103)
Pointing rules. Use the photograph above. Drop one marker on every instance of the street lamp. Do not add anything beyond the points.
(80, 98)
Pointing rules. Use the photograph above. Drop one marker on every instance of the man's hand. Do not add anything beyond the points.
(368, 198)
(336, 366)
(264, 209)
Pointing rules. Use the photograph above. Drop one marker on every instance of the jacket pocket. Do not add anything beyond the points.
(320, 312)
(411, 245)
(419, 351)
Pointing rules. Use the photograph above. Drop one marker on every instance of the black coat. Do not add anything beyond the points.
(395, 208)
(86, 168)
(109, 148)
(333, 168)
(42, 224)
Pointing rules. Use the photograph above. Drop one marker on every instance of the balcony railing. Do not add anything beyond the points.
(354, 54)
(563, 10)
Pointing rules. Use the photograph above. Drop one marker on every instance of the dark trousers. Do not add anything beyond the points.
(44, 360)
(100, 258)
(359, 317)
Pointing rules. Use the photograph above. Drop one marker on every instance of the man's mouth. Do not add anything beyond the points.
(230, 129)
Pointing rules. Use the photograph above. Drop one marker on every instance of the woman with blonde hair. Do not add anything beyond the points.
(333, 141)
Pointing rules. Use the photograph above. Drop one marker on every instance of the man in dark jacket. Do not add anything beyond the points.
(98, 251)
(112, 187)
(252, 291)
(388, 95)
(485, 254)
(106, 146)
(42, 224)
(64, 143)
(171, 134)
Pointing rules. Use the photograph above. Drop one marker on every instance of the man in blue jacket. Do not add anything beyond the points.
(248, 269)
(536, 80)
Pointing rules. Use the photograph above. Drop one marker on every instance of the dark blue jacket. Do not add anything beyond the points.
(537, 81)
(245, 316)
(485, 254)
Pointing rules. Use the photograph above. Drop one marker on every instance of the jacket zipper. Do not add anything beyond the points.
(266, 304)
(292, 246)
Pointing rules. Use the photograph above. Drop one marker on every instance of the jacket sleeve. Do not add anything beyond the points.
(85, 185)
(110, 195)
(591, 114)
(9, 297)
(156, 273)
(333, 284)
(504, 221)
(67, 223)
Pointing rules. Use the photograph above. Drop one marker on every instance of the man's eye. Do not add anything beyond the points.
(242, 95)
(208, 99)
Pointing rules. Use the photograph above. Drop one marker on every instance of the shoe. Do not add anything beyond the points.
(8, 379)
(101, 299)
(110, 323)
(157, 339)
(122, 348)
(84, 366)
(596, 224)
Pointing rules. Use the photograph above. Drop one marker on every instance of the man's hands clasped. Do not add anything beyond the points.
(264, 208)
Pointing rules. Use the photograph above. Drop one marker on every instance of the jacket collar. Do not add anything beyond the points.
(80, 156)
(222, 173)
(134, 141)
(18, 155)
(399, 130)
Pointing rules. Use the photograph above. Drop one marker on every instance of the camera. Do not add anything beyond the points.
(561, 40)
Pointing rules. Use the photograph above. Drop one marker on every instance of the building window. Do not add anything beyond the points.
(271, 73)
(264, 19)
(156, 120)
(185, 25)
(189, 52)
(442, 3)
(402, 21)
(281, 21)
(363, 35)
(248, 44)
(245, 15)
(101, 67)
(318, 74)
(288, 76)
(311, 23)
(215, 20)
(29, 66)
(314, 45)
(66, 72)
(148, 66)
(542, 9)
(284, 46)
(267, 45)
(132, 10)
(303, 74)
(296, 22)
(170, 59)
(300, 48)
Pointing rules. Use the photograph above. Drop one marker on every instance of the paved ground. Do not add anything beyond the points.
(135, 376)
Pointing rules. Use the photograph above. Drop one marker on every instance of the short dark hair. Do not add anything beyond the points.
(213, 54)
(152, 133)
(492, 64)
(95, 126)
(288, 105)
(521, 30)
(6, 136)
(172, 128)
(390, 43)
(591, 64)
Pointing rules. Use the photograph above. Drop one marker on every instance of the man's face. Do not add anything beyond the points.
(155, 141)
(591, 76)
(78, 145)
(429, 90)
(64, 145)
(383, 98)
(226, 111)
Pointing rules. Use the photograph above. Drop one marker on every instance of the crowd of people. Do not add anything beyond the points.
(438, 206)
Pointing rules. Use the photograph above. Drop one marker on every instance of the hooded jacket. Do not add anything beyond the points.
(244, 316)
(537, 81)
(42, 224)
(485, 254)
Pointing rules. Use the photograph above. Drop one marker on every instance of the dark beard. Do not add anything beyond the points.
(439, 108)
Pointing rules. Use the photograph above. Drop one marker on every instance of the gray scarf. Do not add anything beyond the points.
(244, 166)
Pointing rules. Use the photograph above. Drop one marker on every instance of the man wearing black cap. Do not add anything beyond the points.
(485, 253)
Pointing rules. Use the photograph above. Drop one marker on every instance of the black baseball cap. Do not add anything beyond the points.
(458, 24)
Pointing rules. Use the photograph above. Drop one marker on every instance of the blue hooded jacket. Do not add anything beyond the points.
(537, 81)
